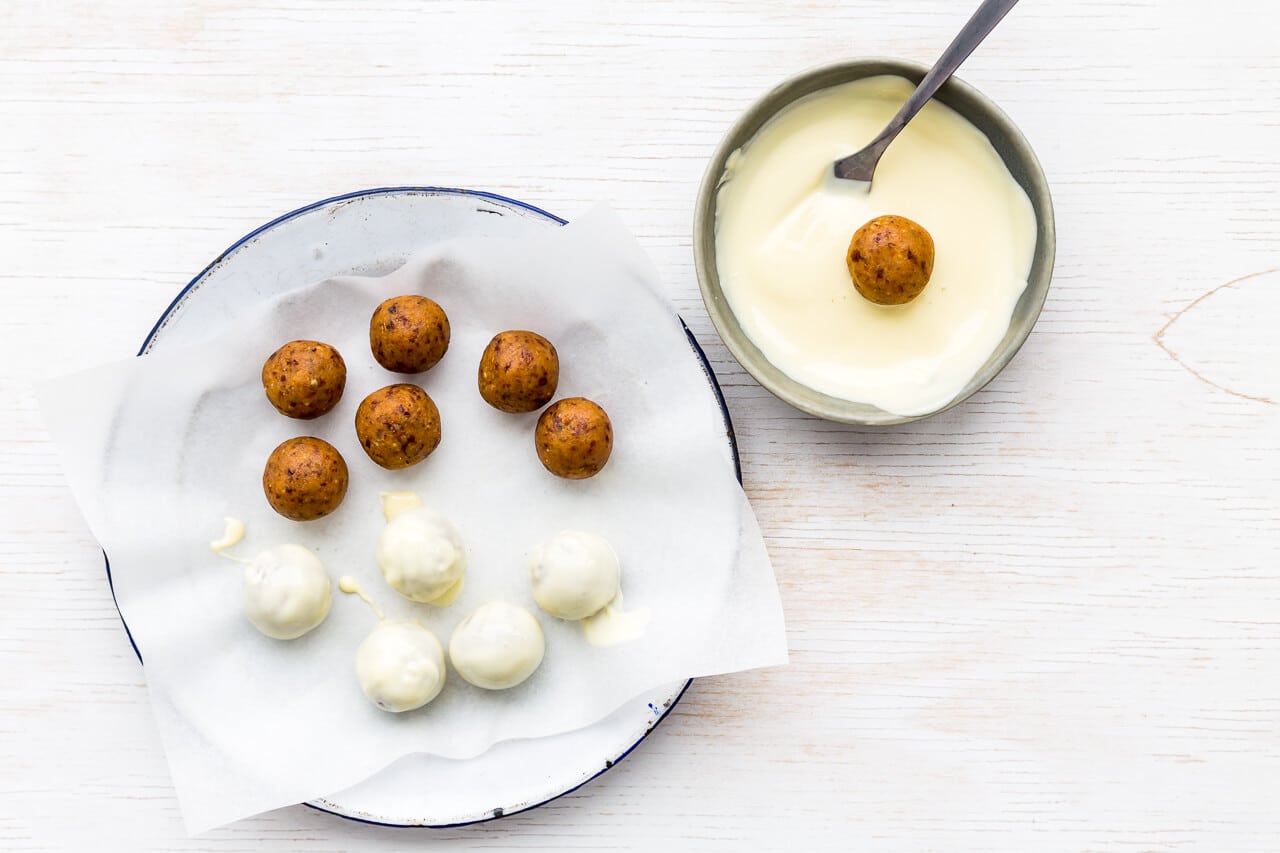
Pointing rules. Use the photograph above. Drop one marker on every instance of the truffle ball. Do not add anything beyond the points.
(420, 554)
(398, 426)
(890, 259)
(400, 666)
(305, 478)
(574, 574)
(498, 646)
(304, 379)
(286, 591)
(408, 334)
(574, 438)
(518, 372)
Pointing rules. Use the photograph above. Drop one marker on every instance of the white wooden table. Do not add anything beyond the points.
(1047, 620)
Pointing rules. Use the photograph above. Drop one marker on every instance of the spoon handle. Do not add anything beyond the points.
(990, 13)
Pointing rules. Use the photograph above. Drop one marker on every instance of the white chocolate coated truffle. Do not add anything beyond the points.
(421, 555)
(400, 666)
(498, 646)
(574, 574)
(286, 591)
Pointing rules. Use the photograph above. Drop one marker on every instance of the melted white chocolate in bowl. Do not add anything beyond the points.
(783, 224)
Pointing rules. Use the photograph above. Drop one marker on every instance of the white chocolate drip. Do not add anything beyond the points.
(231, 536)
(394, 503)
(351, 586)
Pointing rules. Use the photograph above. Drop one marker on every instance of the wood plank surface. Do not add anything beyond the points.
(1046, 620)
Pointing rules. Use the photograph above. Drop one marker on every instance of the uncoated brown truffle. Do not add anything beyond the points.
(304, 379)
(890, 259)
(519, 371)
(305, 478)
(409, 334)
(398, 426)
(574, 438)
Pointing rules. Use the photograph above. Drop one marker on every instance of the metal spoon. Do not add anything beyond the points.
(861, 166)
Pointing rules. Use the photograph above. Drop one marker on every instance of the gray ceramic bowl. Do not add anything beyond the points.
(964, 99)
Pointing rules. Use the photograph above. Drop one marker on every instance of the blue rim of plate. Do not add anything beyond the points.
(693, 343)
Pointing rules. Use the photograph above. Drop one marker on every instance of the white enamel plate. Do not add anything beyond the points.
(371, 233)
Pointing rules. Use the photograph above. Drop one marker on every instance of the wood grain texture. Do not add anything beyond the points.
(1046, 620)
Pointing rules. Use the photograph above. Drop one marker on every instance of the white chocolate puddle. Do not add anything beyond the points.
(612, 625)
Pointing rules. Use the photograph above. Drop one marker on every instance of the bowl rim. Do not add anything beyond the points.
(764, 108)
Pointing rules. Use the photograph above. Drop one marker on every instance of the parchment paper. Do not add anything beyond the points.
(159, 449)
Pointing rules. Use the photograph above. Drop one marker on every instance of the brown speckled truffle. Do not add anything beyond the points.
(398, 426)
(518, 372)
(304, 379)
(408, 334)
(305, 478)
(890, 259)
(574, 438)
